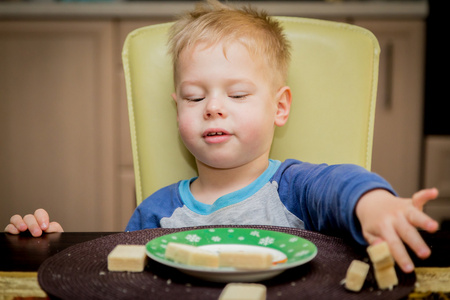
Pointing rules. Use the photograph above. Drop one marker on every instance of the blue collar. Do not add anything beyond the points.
(229, 199)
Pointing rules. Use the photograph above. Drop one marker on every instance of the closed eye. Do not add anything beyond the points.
(194, 99)
(239, 96)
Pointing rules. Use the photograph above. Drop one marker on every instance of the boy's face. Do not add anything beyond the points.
(227, 106)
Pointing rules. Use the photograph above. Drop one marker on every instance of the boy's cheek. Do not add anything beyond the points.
(185, 129)
(181, 114)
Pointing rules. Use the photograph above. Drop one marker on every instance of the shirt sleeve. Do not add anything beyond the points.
(157, 206)
(324, 196)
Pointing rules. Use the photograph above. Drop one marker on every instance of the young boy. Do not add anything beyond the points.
(230, 69)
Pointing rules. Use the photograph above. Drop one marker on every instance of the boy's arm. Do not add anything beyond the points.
(324, 196)
(395, 220)
(157, 206)
(135, 221)
(37, 223)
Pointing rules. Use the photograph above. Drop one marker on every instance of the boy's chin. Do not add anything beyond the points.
(219, 163)
(227, 163)
(222, 165)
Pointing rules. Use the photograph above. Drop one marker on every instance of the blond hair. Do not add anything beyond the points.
(213, 22)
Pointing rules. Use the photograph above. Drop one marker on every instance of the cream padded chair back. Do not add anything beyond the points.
(333, 77)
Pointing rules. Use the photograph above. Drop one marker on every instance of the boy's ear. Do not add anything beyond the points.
(284, 99)
(174, 97)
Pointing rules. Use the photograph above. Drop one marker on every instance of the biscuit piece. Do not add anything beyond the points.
(380, 256)
(131, 258)
(204, 258)
(191, 255)
(383, 264)
(245, 260)
(356, 275)
(386, 278)
(179, 252)
(243, 291)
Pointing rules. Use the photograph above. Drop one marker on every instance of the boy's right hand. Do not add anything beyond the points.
(36, 224)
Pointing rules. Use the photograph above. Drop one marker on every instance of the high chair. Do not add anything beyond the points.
(333, 77)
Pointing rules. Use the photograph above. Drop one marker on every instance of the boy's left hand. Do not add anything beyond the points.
(384, 217)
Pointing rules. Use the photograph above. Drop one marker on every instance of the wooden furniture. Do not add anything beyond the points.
(398, 117)
(58, 121)
(437, 174)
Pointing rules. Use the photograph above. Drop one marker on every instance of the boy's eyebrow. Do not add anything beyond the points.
(189, 82)
(241, 80)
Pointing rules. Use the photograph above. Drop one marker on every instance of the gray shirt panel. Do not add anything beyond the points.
(262, 208)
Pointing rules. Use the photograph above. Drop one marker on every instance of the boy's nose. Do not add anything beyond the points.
(214, 108)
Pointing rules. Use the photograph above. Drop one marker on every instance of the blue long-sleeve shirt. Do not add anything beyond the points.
(291, 193)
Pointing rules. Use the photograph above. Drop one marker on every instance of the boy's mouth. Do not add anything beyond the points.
(215, 133)
(216, 136)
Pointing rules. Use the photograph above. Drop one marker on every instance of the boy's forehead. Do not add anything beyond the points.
(207, 45)
(188, 56)
(224, 47)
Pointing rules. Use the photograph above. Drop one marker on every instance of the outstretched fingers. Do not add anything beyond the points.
(397, 221)
(421, 220)
(403, 230)
(396, 246)
(400, 254)
(407, 231)
(417, 217)
(420, 198)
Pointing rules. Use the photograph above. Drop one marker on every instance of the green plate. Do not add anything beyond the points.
(287, 250)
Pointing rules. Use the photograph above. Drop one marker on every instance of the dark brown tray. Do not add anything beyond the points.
(80, 272)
